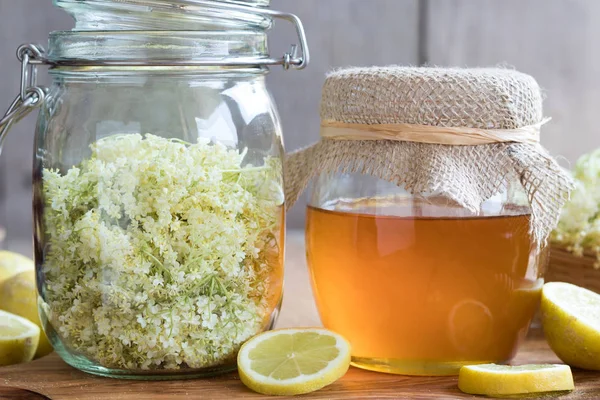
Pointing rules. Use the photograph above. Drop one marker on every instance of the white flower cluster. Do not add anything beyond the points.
(162, 254)
(579, 226)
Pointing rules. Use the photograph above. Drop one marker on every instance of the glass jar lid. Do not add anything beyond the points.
(171, 32)
(166, 15)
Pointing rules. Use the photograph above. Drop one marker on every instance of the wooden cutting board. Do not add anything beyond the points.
(51, 378)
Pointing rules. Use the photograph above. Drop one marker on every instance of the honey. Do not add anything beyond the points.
(423, 295)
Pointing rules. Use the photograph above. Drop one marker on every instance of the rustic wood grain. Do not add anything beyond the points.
(51, 377)
(8, 393)
(564, 266)
(553, 40)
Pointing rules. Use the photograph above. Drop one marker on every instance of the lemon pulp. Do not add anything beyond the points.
(19, 339)
(293, 361)
(571, 321)
(18, 295)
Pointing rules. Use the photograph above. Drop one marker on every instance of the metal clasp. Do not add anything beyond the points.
(291, 58)
(30, 95)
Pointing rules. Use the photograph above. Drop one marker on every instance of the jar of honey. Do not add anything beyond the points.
(430, 208)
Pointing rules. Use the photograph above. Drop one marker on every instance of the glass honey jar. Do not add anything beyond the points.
(431, 203)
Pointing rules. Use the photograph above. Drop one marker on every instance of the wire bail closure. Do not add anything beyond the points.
(32, 96)
(290, 59)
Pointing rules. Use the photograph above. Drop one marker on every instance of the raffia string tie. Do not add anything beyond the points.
(455, 136)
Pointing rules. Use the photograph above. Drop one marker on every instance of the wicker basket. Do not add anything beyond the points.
(563, 266)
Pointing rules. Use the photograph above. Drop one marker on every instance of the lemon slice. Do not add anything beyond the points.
(505, 380)
(18, 339)
(13, 263)
(18, 295)
(293, 361)
(571, 320)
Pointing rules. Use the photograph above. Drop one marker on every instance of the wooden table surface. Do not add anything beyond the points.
(51, 378)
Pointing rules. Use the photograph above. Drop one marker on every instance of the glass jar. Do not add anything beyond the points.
(418, 284)
(158, 199)
(431, 204)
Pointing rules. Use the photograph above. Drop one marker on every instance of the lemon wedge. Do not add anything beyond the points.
(571, 321)
(18, 339)
(505, 380)
(293, 361)
(18, 295)
(13, 263)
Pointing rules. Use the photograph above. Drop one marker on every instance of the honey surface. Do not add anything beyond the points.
(421, 288)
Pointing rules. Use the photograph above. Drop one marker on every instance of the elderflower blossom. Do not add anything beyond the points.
(579, 226)
(160, 253)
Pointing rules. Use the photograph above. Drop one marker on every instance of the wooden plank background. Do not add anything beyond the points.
(554, 40)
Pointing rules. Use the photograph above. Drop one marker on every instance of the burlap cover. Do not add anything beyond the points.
(469, 174)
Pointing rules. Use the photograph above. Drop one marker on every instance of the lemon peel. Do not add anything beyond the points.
(18, 295)
(571, 321)
(18, 339)
(13, 263)
(506, 380)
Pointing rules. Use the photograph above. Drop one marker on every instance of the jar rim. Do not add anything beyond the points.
(169, 15)
(177, 4)
(162, 32)
(255, 3)
(157, 47)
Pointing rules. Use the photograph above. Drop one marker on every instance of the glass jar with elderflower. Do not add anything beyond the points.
(158, 198)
